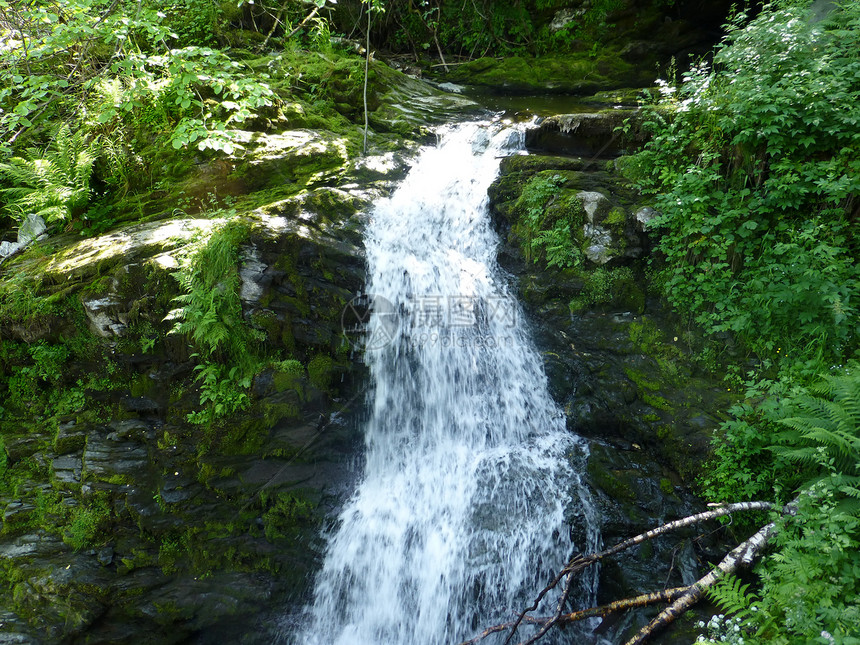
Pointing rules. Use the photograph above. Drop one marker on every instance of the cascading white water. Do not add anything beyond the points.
(471, 481)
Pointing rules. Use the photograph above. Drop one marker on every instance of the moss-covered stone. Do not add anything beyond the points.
(577, 72)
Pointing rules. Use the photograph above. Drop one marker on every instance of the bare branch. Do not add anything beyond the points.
(743, 555)
(643, 600)
(580, 563)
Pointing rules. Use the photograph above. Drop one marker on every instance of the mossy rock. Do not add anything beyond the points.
(406, 105)
(602, 134)
(292, 160)
(576, 73)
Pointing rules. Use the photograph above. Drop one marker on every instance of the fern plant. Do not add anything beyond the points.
(210, 314)
(211, 310)
(810, 584)
(558, 247)
(53, 184)
(731, 596)
(825, 428)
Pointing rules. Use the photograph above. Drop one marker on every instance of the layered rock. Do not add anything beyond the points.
(623, 369)
(123, 519)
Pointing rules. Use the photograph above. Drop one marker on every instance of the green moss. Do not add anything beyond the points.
(241, 436)
(641, 379)
(646, 552)
(320, 372)
(118, 479)
(139, 558)
(268, 322)
(613, 286)
(615, 218)
(646, 337)
(287, 512)
(615, 483)
(657, 402)
(666, 486)
(170, 554)
(288, 375)
(66, 443)
(88, 522)
(665, 432)
(574, 72)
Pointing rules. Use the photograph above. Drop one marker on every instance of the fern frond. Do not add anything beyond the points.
(52, 183)
(828, 430)
(731, 596)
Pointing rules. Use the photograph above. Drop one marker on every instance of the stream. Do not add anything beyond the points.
(471, 496)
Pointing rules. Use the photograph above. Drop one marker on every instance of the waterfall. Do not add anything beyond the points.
(471, 482)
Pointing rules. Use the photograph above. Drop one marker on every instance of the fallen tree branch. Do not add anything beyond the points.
(742, 555)
(307, 19)
(580, 563)
(644, 600)
(279, 19)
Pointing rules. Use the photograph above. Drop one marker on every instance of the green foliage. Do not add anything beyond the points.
(547, 236)
(825, 429)
(320, 371)
(536, 195)
(80, 525)
(593, 27)
(223, 391)
(557, 246)
(53, 184)
(40, 379)
(807, 439)
(599, 286)
(128, 69)
(742, 467)
(211, 310)
(730, 595)
(211, 316)
(195, 22)
(491, 28)
(753, 167)
(285, 512)
(810, 582)
(170, 554)
(86, 522)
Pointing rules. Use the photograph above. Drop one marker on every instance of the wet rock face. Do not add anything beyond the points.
(32, 228)
(619, 364)
(146, 528)
(589, 196)
(120, 520)
(605, 134)
(616, 358)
